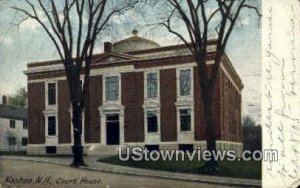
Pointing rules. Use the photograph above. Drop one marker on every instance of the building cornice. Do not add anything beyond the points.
(127, 55)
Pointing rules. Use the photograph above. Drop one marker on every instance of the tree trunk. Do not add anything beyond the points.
(77, 108)
(211, 165)
(77, 132)
(86, 97)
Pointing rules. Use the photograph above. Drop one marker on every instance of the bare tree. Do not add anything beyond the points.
(201, 19)
(73, 26)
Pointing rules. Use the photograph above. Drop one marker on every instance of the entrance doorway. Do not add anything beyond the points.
(112, 129)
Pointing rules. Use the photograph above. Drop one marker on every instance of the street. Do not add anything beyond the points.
(17, 173)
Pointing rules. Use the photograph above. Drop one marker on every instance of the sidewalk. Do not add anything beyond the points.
(92, 163)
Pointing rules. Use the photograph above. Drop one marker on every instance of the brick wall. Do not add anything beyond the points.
(133, 99)
(230, 111)
(168, 109)
(64, 118)
(36, 106)
(226, 109)
(92, 129)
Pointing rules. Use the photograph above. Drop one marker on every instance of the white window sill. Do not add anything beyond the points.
(112, 102)
(153, 133)
(51, 106)
(51, 136)
(184, 101)
(50, 109)
(152, 99)
(186, 132)
(151, 104)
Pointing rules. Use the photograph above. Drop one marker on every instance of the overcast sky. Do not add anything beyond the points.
(29, 43)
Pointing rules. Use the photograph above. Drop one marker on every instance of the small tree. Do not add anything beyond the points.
(201, 19)
(251, 134)
(248, 122)
(19, 99)
(73, 26)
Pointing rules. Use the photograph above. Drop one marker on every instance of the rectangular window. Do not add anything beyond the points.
(112, 88)
(51, 94)
(51, 126)
(152, 147)
(50, 149)
(152, 85)
(185, 82)
(12, 124)
(12, 141)
(185, 119)
(186, 147)
(24, 141)
(24, 124)
(152, 121)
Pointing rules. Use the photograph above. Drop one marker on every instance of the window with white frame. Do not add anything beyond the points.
(24, 141)
(112, 88)
(51, 93)
(152, 121)
(11, 141)
(25, 125)
(51, 126)
(185, 119)
(185, 82)
(152, 85)
(12, 124)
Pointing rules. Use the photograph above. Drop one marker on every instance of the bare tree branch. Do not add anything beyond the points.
(35, 17)
(253, 8)
(198, 25)
(63, 32)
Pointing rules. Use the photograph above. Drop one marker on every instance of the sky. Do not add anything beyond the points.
(27, 42)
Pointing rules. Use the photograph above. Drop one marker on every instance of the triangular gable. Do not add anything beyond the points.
(113, 57)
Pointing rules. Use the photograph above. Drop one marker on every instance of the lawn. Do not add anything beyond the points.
(238, 169)
(17, 153)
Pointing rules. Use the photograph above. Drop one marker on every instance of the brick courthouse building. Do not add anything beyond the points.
(141, 94)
